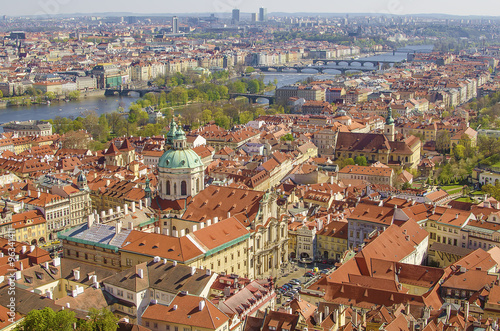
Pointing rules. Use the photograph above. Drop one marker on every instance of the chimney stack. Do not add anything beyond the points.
(118, 227)
(125, 209)
(133, 207)
(90, 220)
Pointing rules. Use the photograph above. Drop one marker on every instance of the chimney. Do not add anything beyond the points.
(118, 209)
(21, 266)
(57, 262)
(110, 211)
(327, 311)
(183, 232)
(175, 233)
(175, 263)
(209, 222)
(108, 182)
(140, 273)
(130, 225)
(23, 250)
(140, 204)
(208, 272)
(164, 261)
(68, 305)
(133, 207)
(90, 220)
(466, 313)
(228, 214)
(118, 227)
(103, 215)
(125, 209)
(193, 271)
(216, 219)
(49, 295)
(145, 203)
(174, 307)
(156, 259)
(76, 274)
(201, 305)
(32, 248)
(17, 275)
(38, 194)
(195, 227)
(46, 265)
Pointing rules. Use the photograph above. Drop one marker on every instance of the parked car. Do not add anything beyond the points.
(297, 280)
(294, 282)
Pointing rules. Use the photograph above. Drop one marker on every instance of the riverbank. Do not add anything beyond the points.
(27, 101)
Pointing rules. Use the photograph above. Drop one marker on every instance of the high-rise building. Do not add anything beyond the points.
(236, 15)
(175, 24)
(132, 19)
(262, 14)
(254, 17)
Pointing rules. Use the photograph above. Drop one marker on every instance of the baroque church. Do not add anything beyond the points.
(186, 205)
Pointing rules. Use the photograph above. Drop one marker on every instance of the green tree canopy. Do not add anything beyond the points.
(361, 161)
(47, 320)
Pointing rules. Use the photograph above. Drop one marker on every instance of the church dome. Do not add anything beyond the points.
(180, 159)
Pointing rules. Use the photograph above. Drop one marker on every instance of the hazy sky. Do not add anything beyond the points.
(398, 7)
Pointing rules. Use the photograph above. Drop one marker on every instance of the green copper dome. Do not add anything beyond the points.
(179, 159)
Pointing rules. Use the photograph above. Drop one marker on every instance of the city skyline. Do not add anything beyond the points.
(391, 7)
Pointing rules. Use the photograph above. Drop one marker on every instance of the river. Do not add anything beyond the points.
(102, 104)
(72, 109)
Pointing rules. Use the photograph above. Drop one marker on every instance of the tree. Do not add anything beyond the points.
(287, 137)
(48, 320)
(253, 86)
(103, 128)
(50, 95)
(361, 161)
(178, 95)
(442, 141)
(75, 140)
(245, 117)
(345, 162)
(222, 120)
(99, 320)
(206, 116)
(74, 95)
(1, 94)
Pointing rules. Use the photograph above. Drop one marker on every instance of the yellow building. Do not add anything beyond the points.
(332, 240)
(21, 144)
(445, 226)
(30, 227)
(220, 247)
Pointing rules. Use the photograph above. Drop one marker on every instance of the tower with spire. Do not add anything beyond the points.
(389, 128)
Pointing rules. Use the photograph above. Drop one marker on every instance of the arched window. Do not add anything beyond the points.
(175, 188)
(183, 188)
(168, 187)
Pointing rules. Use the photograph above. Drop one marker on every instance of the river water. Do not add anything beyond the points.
(102, 104)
